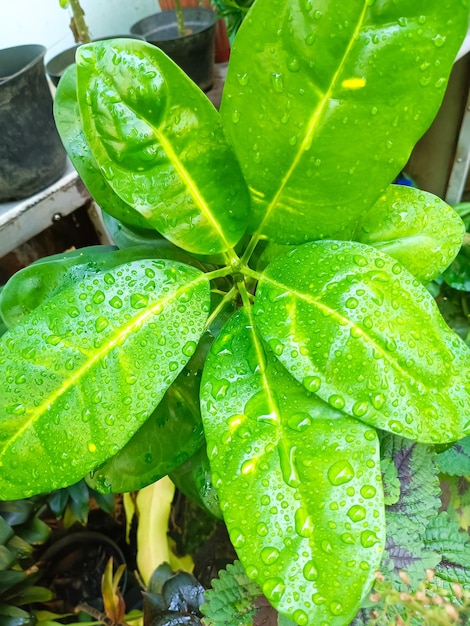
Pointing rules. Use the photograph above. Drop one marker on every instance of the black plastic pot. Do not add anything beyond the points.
(73, 567)
(31, 153)
(194, 52)
(57, 65)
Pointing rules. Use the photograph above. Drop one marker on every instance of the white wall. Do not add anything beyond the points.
(45, 22)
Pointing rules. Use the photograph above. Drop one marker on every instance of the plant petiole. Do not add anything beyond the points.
(230, 295)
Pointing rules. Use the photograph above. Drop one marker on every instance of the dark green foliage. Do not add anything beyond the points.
(20, 531)
(172, 599)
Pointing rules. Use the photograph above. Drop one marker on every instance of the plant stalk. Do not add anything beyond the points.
(79, 26)
(180, 19)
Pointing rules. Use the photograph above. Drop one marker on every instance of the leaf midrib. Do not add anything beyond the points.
(197, 197)
(344, 321)
(313, 122)
(114, 340)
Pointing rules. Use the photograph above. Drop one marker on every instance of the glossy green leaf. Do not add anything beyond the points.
(102, 354)
(124, 235)
(454, 306)
(67, 119)
(171, 435)
(13, 616)
(299, 482)
(322, 105)
(38, 282)
(356, 328)
(160, 144)
(194, 479)
(415, 227)
(168, 438)
(458, 274)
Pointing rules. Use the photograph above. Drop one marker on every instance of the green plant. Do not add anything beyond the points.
(20, 531)
(233, 11)
(284, 281)
(235, 599)
(453, 288)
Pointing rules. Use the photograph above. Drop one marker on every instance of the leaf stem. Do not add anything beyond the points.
(247, 271)
(230, 295)
(244, 294)
(232, 258)
(220, 273)
(102, 617)
(180, 19)
(250, 248)
(81, 32)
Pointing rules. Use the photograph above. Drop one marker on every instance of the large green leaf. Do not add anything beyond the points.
(415, 227)
(67, 119)
(355, 327)
(89, 366)
(168, 438)
(124, 235)
(38, 282)
(299, 482)
(160, 144)
(324, 101)
(194, 479)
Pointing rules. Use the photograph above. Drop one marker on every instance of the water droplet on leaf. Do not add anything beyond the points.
(340, 473)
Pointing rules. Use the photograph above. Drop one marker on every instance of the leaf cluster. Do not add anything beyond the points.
(172, 598)
(20, 531)
(266, 301)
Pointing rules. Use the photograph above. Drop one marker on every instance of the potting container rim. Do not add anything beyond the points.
(196, 11)
(40, 52)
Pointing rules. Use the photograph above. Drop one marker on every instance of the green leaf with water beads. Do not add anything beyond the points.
(356, 328)
(321, 112)
(299, 482)
(168, 438)
(160, 143)
(415, 227)
(69, 126)
(45, 278)
(194, 479)
(95, 360)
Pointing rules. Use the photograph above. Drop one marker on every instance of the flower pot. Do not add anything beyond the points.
(73, 567)
(31, 153)
(57, 65)
(222, 43)
(194, 52)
